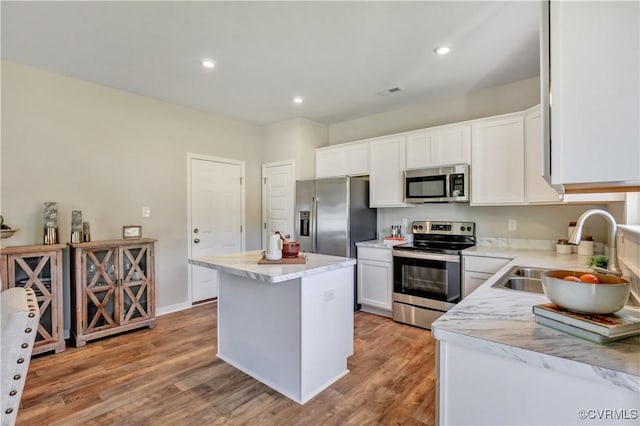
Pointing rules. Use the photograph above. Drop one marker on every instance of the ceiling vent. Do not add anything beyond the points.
(389, 91)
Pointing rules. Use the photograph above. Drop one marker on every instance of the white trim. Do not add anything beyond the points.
(173, 308)
(195, 156)
(264, 193)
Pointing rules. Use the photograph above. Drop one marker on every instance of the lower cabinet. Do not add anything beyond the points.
(112, 286)
(375, 280)
(477, 270)
(38, 267)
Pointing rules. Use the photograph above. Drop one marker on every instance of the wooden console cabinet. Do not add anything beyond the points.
(38, 267)
(112, 286)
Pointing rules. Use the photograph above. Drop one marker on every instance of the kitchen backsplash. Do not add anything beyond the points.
(532, 222)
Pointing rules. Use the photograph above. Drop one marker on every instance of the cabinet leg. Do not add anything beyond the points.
(80, 343)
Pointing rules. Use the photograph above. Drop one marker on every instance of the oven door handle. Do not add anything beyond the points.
(427, 256)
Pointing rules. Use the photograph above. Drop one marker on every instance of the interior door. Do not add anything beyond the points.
(216, 218)
(278, 194)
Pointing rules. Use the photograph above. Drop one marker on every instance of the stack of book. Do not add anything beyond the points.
(593, 327)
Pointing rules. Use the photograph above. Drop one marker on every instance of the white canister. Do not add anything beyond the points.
(563, 248)
(585, 248)
(570, 229)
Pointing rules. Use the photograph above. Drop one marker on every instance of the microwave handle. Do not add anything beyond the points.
(447, 185)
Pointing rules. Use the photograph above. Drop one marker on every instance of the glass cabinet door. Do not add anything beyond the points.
(35, 271)
(100, 278)
(136, 275)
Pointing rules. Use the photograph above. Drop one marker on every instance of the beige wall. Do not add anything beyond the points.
(295, 139)
(108, 153)
(516, 96)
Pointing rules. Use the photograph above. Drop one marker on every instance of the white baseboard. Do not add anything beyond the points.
(172, 308)
(376, 311)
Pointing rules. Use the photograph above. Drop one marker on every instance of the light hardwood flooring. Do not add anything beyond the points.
(171, 376)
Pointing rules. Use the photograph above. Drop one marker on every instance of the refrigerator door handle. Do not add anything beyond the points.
(314, 225)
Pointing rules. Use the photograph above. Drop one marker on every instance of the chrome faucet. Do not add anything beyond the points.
(576, 236)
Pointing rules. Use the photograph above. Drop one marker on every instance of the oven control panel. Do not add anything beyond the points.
(444, 228)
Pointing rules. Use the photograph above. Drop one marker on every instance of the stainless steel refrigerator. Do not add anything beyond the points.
(333, 214)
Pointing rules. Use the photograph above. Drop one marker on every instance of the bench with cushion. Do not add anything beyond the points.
(19, 314)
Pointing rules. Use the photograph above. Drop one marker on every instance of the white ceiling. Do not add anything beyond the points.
(337, 55)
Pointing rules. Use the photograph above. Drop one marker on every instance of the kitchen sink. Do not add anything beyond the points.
(522, 278)
(534, 273)
(530, 285)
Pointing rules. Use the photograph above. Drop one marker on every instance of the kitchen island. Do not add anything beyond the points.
(288, 326)
(497, 366)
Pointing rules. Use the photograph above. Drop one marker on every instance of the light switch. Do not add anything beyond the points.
(513, 225)
(146, 212)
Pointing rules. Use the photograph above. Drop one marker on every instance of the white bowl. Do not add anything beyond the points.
(608, 296)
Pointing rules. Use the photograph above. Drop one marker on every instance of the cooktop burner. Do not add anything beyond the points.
(440, 237)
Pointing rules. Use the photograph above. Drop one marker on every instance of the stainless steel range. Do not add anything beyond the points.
(427, 273)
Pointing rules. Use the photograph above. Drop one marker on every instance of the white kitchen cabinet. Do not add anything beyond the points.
(386, 167)
(479, 385)
(439, 146)
(595, 93)
(375, 280)
(536, 188)
(477, 270)
(350, 159)
(497, 160)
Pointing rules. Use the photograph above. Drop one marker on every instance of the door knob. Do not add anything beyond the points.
(196, 230)
(196, 241)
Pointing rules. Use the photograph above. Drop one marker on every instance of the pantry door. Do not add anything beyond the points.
(215, 217)
(278, 198)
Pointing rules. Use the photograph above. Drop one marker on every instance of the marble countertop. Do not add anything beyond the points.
(376, 244)
(501, 321)
(245, 264)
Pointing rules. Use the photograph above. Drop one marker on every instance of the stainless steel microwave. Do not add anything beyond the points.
(437, 185)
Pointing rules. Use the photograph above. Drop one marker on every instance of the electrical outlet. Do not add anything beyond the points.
(513, 224)
(146, 212)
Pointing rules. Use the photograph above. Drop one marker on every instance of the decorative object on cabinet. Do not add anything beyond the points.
(6, 230)
(86, 232)
(76, 226)
(112, 286)
(38, 267)
(131, 231)
(50, 222)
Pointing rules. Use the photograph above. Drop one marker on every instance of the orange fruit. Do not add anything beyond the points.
(589, 278)
(571, 278)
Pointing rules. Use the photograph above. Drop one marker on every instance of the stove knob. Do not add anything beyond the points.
(462, 228)
(420, 227)
(415, 226)
(468, 228)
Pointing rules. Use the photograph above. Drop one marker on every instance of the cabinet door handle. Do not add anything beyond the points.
(196, 240)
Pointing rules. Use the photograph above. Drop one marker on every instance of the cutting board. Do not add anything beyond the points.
(284, 261)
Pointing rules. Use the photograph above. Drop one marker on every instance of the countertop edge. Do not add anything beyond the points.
(293, 272)
(550, 362)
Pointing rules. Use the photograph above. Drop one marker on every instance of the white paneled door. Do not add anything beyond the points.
(216, 217)
(278, 198)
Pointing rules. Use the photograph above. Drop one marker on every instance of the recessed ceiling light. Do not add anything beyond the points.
(298, 100)
(442, 50)
(208, 63)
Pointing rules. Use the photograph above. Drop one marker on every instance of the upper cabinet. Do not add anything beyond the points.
(594, 67)
(536, 188)
(386, 178)
(439, 146)
(342, 160)
(497, 160)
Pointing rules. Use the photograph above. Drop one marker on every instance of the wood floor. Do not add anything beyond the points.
(171, 376)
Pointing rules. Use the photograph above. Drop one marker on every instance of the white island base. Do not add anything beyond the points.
(294, 336)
